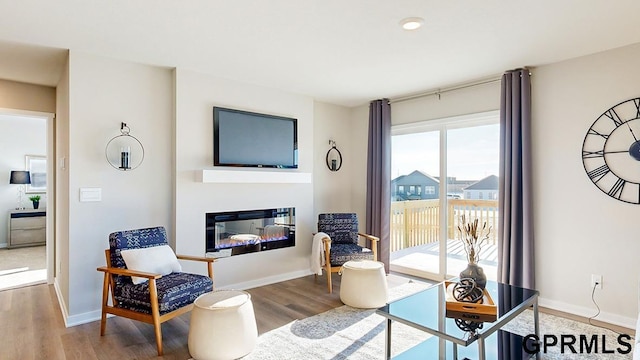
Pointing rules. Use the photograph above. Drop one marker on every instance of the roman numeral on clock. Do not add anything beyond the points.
(592, 154)
(613, 115)
(616, 190)
(636, 102)
(596, 174)
(593, 132)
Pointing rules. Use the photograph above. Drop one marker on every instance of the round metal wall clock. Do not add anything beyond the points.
(611, 151)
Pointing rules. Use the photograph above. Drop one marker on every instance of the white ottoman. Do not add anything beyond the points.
(363, 284)
(223, 326)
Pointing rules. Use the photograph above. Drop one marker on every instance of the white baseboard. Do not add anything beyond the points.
(96, 315)
(267, 280)
(61, 303)
(607, 317)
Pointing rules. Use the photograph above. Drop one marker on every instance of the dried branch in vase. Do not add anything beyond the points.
(473, 238)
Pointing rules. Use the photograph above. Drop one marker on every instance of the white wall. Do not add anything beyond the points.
(196, 94)
(19, 136)
(579, 230)
(332, 189)
(103, 93)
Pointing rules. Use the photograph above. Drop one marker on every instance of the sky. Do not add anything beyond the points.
(473, 153)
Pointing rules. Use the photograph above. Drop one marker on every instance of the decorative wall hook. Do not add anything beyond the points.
(334, 157)
(124, 152)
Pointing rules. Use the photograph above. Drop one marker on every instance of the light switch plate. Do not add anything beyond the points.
(90, 194)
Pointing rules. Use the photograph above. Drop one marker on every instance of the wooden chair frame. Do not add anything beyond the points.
(154, 318)
(326, 242)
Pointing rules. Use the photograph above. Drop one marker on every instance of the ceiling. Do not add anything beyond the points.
(345, 52)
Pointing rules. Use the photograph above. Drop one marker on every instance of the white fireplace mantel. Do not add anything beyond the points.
(253, 176)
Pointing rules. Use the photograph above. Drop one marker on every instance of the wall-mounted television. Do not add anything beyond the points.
(243, 138)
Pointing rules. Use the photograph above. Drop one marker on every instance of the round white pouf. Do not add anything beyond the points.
(223, 326)
(363, 284)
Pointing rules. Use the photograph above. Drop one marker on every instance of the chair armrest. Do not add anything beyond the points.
(196, 258)
(369, 237)
(374, 244)
(207, 260)
(128, 272)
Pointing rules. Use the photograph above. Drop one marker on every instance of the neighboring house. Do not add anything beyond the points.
(485, 189)
(455, 187)
(415, 186)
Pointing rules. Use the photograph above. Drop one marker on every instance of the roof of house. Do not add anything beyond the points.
(416, 174)
(488, 183)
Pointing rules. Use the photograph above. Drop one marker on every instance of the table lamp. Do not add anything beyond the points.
(21, 178)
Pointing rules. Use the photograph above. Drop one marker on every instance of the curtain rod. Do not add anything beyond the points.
(447, 89)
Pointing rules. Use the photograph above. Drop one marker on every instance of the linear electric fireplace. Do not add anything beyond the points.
(249, 231)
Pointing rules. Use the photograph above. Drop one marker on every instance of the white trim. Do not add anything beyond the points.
(252, 177)
(453, 122)
(267, 280)
(61, 303)
(607, 317)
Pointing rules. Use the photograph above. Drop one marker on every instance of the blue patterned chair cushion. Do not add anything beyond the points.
(341, 253)
(341, 227)
(174, 290)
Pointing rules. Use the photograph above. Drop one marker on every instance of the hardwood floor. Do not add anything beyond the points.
(32, 325)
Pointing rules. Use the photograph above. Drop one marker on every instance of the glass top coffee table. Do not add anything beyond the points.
(426, 311)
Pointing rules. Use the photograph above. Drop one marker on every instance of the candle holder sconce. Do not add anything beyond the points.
(334, 157)
(124, 152)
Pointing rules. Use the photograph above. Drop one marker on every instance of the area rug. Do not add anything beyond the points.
(350, 333)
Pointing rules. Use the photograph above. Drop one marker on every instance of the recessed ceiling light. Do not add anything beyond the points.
(411, 23)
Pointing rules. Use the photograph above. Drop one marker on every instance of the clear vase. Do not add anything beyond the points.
(476, 273)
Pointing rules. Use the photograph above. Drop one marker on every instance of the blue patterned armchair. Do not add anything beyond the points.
(342, 244)
(157, 298)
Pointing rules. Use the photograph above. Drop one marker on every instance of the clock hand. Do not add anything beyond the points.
(632, 134)
(615, 152)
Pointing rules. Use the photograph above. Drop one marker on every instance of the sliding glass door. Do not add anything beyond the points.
(442, 170)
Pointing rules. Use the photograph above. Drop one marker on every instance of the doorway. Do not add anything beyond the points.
(26, 233)
(443, 170)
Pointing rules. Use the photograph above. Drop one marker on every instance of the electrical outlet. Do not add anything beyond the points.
(596, 281)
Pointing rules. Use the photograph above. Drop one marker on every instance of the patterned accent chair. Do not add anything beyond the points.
(342, 244)
(161, 297)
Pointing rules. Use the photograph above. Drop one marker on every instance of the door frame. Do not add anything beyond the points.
(51, 168)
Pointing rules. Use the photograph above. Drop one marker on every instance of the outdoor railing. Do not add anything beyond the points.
(416, 222)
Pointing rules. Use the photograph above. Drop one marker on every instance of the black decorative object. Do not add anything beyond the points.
(21, 178)
(467, 290)
(124, 152)
(334, 157)
(468, 325)
(611, 151)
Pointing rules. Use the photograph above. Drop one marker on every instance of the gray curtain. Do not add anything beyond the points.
(379, 176)
(515, 230)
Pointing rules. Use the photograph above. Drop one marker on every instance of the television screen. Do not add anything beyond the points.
(243, 138)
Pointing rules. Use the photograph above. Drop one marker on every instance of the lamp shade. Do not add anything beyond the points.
(20, 177)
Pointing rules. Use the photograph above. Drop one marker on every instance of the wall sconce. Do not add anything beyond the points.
(334, 157)
(21, 178)
(124, 152)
